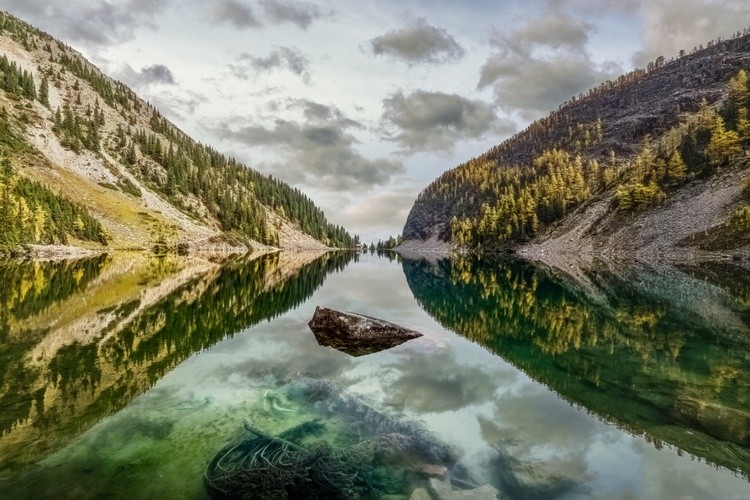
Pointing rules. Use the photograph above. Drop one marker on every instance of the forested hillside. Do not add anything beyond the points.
(632, 142)
(86, 160)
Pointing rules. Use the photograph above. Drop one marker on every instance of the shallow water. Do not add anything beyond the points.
(621, 383)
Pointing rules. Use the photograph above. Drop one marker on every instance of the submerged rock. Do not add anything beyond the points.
(443, 490)
(420, 494)
(261, 465)
(356, 334)
(430, 470)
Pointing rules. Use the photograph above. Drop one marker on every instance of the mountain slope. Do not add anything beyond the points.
(91, 141)
(627, 148)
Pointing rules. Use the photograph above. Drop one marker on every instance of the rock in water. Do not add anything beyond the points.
(356, 334)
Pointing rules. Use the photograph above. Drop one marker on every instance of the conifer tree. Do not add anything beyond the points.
(724, 144)
(44, 92)
(676, 168)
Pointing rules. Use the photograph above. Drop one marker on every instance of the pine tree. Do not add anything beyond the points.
(738, 97)
(11, 81)
(724, 144)
(743, 125)
(676, 168)
(44, 92)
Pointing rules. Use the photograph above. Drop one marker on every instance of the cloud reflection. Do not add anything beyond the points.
(439, 383)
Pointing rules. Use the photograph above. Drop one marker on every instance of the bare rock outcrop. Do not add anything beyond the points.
(356, 334)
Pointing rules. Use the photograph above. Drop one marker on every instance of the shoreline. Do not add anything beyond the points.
(540, 253)
(49, 253)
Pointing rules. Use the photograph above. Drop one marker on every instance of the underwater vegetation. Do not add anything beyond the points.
(346, 448)
(258, 465)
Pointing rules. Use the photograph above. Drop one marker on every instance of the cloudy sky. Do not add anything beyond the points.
(362, 104)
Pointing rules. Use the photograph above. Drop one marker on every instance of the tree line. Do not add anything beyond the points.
(389, 244)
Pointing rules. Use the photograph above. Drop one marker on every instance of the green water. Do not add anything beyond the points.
(122, 377)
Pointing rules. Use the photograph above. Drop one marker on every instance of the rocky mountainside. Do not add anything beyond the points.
(647, 150)
(86, 162)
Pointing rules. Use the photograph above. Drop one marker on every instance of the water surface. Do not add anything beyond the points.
(122, 377)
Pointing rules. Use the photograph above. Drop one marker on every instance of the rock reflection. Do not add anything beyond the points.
(538, 479)
(81, 339)
(656, 351)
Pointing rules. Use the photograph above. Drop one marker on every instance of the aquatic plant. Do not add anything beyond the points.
(351, 450)
(258, 465)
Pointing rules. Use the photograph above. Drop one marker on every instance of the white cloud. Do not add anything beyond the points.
(92, 23)
(302, 14)
(235, 12)
(542, 63)
(287, 58)
(318, 153)
(380, 212)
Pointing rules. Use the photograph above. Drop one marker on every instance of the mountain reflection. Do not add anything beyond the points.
(661, 352)
(79, 340)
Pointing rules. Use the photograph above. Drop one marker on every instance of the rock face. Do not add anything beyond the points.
(646, 103)
(356, 334)
(673, 232)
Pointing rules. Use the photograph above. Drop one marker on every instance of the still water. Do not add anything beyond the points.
(123, 376)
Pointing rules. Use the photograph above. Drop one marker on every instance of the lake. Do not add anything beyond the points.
(124, 375)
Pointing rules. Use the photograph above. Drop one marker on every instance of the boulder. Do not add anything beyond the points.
(357, 334)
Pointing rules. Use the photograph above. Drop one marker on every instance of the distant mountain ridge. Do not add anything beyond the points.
(612, 145)
(129, 178)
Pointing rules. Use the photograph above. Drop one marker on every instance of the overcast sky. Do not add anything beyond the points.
(362, 104)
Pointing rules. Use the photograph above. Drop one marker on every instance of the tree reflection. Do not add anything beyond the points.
(626, 349)
(135, 327)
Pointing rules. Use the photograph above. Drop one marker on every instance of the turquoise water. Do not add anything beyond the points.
(619, 384)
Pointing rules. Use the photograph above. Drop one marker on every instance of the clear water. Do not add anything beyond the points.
(122, 377)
